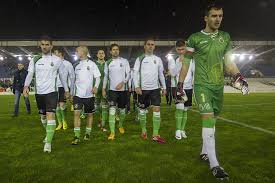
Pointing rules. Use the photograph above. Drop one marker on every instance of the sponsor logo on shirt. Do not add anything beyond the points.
(88, 68)
(40, 64)
(52, 64)
(155, 62)
(120, 64)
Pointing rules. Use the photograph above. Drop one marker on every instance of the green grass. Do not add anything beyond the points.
(246, 154)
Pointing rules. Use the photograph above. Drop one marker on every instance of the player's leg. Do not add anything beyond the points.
(51, 101)
(204, 98)
(62, 104)
(28, 105)
(78, 105)
(143, 103)
(104, 114)
(41, 106)
(122, 102)
(17, 95)
(58, 110)
(112, 99)
(89, 110)
(155, 102)
(98, 109)
(187, 105)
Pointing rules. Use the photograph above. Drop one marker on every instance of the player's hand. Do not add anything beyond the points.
(94, 90)
(120, 85)
(164, 92)
(26, 91)
(240, 83)
(103, 93)
(138, 91)
(67, 94)
(181, 95)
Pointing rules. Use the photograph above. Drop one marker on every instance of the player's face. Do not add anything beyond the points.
(180, 50)
(45, 46)
(214, 19)
(20, 66)
(80, 53)
(149, 47)
(100, 55)
(57, 53)
(115, 51)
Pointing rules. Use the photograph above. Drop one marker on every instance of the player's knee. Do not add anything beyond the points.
(112, 110)
(142, 111)
(209, 122)
(156, 114)
(104, 106)
(62, 107)
(122, 111)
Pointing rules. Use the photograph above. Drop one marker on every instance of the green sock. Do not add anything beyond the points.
(44, 122)
(63, 113)
(88, 131)
(209, 123)
(50, 129)
(77, 132)
(142, 119)
(112, 120)
(121, 117)
(156, 123)
(58, 115)
(184, 119)
(104, 114)
(179, 117)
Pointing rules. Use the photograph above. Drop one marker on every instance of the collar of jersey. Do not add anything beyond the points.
(100, 62)
(86, 60)
(210, 34)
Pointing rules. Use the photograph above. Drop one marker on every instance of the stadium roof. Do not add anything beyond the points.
(131, 19)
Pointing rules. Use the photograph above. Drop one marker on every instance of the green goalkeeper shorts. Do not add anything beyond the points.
(209, 100)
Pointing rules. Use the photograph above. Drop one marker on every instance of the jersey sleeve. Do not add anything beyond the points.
(161, 75)
(96, 71)
(136, 73)
(190, 48)
(31, 66)
(229, 44)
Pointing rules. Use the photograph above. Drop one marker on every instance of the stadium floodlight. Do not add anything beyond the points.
(1, 58)
(241, 57)
(233, 56)
(20, 58)
(250, 57)
(75, 57)
(169, 56)
(29, 57)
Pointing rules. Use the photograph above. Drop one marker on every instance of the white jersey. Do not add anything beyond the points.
(171, 65)
(175, 71)
(69, 73)
(149, 74)
(116, 71)
(45, 71)
(85, 72)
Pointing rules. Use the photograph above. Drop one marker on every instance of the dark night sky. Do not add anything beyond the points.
(131, 19)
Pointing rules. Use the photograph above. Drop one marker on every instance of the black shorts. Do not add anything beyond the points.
(189, 94)
(149, 97)
(46, 102)
(174, 92)
(117, 98)
(88, 103)
(61, 94)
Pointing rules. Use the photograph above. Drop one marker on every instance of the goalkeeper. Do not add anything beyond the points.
(210, 48)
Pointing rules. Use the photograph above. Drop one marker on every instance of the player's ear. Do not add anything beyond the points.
(206, 18)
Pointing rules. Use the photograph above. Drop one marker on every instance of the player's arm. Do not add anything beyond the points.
(137, 77)
(28, 79)
(62, 71)
(71, 76)
(97, 79)
(175, 68)
(161, 77)
(105, 80)
(231, 68)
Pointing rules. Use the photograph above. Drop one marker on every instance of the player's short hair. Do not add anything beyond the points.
(60, 50)
(84, 48)
(113, 45)
(148, 39)
(213, 6)
(100, 49)
(180, 43)
(46, 38)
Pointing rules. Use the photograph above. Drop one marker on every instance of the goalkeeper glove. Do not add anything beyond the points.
(181, 95)
(240, 83)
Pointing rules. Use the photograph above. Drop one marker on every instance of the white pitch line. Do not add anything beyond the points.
(243, 124)
(270, 103)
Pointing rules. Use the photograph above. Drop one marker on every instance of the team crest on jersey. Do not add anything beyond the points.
(52, 64)
(75, 106)
(120, 65)
(221, 40)
(155, 62)
(88, 68)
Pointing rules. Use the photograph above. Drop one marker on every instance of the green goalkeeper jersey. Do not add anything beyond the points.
(208, 50)
(101, 70)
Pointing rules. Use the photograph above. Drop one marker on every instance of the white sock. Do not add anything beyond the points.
(208, 135)
(203, 149)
